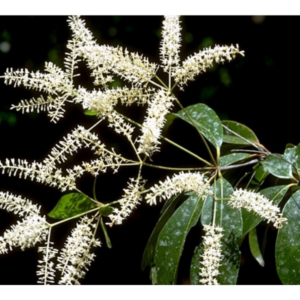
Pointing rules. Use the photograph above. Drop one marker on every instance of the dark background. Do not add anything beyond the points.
(259, 90)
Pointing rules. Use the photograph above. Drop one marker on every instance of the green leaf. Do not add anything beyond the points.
(195, 265)
(254, 247)
(206, 120)
(240, 129)
(260, 175)
(287, 253)
(278, 166)
(106, 210)
(293, 156)
(168, 209)
(232, 158)
(274, 194)
(230, 219)
(172, 237)
(91, 113)
(71, 205)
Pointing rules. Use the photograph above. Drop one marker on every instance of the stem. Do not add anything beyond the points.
(106, 150)
(47, 253)
(249, 181)
(221, 181)
(215, 206)
(195, 126)
(118, 201)
(176, 169)
(169, 141)
(187, 151)
(243, 178)
(251, 162)
(74, 217)
(157, 84)
(95, 124)
(132, 144)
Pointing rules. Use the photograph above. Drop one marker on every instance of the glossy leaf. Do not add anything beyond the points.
(230, 219)
(91, 113)
(195, 265)
(232, 158)
(242, 130)
(278, 166)
(148, 256)
(254, 247)
(206, 120)
(274, 194)
(172, 237)
(71, 205)
(260, 175)
(288, 243)
(293, 156)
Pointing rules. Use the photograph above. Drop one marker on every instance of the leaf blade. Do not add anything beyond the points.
(254, 247)
(148, 255)
(277, 165)
(207, 122)
(248, 136)
(287, 249)
(172, 237)
(71, 205)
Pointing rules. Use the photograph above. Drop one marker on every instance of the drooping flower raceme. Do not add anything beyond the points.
(129, 201)
(75, 257)
(26, 234)
(212, 256)
(17, 204)
(155, 120)
(195, 182)
(201, 61)
(259, 204)
(170, 44)
(46, 270)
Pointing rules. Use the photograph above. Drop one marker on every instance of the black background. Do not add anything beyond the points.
(259, 90)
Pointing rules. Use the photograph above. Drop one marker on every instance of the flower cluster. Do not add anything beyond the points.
(259, 204)
(129, 201)
(129, 66)
(75, 257)
(170, 43)
(79, 138)
(211, 258)
(25, 234)
(18, 205)
(201, 61)
(154, 122)
(39, 172)
(195, 182)
(46, 270)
